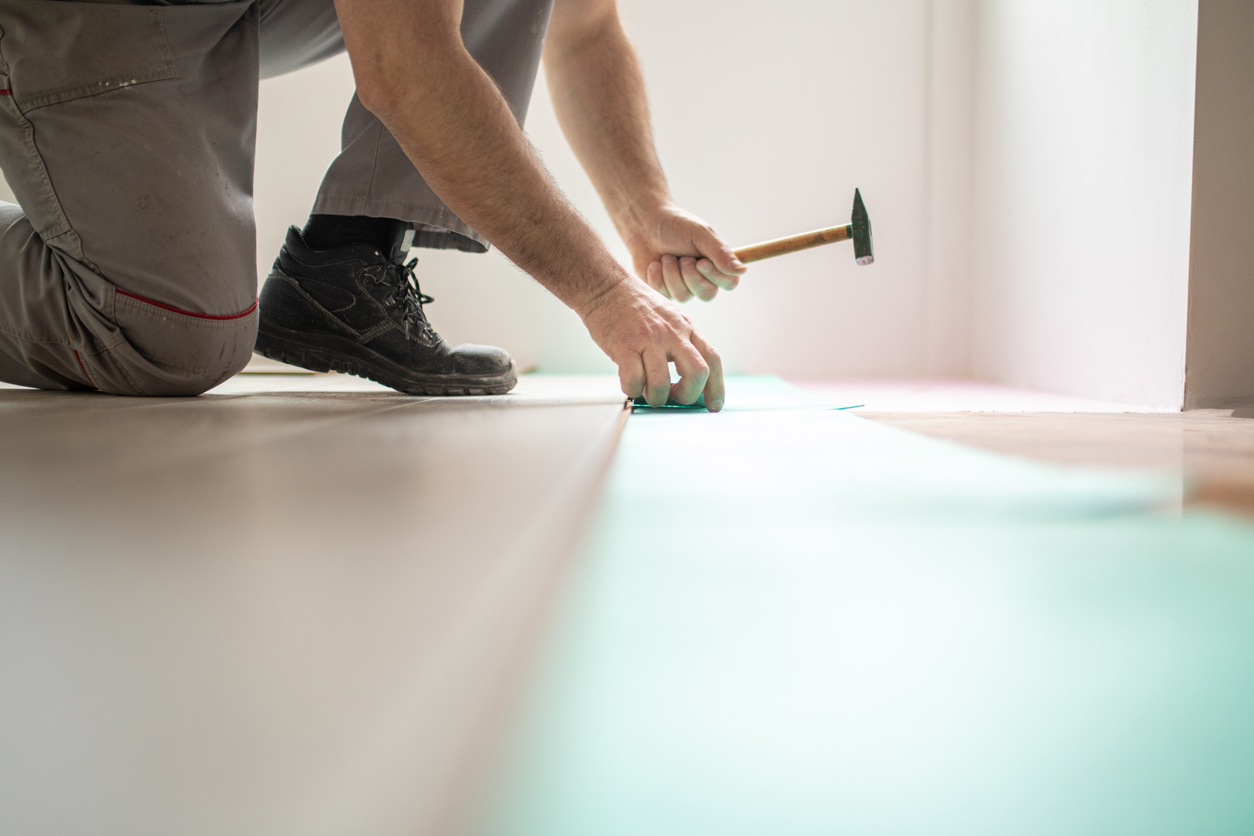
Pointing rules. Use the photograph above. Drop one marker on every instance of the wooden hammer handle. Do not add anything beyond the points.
(793, 243)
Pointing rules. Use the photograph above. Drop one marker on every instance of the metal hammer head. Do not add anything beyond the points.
(863, 250)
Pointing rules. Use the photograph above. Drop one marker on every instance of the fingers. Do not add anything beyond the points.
(718, 278)
(653, 278)
(631, 375)
(696, 283)
(720, 256)
(657, 376)
(693, 373)
(683, 280)
(644, 334)
(671, 275)
(702, 274)
(714, 392)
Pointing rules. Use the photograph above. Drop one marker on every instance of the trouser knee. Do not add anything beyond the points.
(170, 352)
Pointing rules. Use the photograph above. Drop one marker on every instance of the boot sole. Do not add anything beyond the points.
(348, 357)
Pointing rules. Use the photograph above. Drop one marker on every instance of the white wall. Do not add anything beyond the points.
(767, 117)
(949, 143)
(1083, 178)
(1026, 164)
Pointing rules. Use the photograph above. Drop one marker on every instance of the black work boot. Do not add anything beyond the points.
(358, 310)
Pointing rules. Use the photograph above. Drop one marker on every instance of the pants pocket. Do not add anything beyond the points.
(128, 141)
(59, 51)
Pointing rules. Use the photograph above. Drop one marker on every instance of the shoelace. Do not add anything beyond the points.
(408, 296)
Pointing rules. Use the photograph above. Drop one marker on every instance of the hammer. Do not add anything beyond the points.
(858, 228)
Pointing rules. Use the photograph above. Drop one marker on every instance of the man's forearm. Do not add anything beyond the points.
(414, 73)
(457, 129)
(598, 93)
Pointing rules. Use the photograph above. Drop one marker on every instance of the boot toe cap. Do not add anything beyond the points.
(482, 359)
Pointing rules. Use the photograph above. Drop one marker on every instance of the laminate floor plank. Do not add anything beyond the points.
(292, 605)
(1212, 450)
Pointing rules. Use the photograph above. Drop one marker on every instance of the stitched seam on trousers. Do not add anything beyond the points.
(163, 69)
(185, 321)
(83, 368)
(165, 364)
(97, 88)
(444, 218)
(119, 340)
(55, 341)
(121, 367)
(63, 223)
(192, 314)
(374, 164)
(34, 340)
(444, 212)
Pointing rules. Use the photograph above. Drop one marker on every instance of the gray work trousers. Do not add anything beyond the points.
(127, 133)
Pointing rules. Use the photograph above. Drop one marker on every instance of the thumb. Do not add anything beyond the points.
(715, 249)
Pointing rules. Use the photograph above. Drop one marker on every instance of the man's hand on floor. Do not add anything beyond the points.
(642, 333)
(680, 256)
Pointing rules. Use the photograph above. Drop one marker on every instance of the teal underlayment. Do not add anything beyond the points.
(790, 620)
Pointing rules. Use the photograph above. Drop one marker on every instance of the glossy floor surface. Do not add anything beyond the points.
(291, 606)
(1210, 448)
(307, 604)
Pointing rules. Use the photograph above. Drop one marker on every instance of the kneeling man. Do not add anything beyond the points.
(127, 131)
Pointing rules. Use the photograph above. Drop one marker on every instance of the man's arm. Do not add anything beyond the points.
(413, 72)
(598, 93)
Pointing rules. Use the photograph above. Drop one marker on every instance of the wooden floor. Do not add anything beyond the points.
(292, 605)
(298, 604)
(1212, 450)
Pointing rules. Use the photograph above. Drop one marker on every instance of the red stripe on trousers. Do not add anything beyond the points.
(91, 382)
(239, 315)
